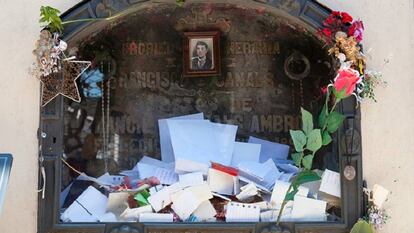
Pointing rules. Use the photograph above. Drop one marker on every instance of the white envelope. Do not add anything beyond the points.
(244, 152)
(88, 207)
(223, 183)
(331, 183)
(279, 193)
(202, 142)
(271, 150)
(167, 154)
(307, 209)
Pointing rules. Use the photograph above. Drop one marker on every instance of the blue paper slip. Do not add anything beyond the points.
(165, 139)
(201, 142)
(245, 152)
(271, 150)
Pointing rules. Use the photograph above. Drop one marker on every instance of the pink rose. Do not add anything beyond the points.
(346, 79)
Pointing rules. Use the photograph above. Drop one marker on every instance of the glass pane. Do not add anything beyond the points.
(270, 68)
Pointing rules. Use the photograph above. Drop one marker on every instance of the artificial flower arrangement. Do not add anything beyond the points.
(340, 32)
(343, 35)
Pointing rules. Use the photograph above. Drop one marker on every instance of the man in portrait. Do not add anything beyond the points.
(201, 59)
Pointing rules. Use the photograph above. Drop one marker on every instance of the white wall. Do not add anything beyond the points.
(19, 114)
(387, 125)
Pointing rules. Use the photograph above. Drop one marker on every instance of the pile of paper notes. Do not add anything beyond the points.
(205, 175)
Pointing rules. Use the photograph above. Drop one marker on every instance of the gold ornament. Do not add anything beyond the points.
(63, 83)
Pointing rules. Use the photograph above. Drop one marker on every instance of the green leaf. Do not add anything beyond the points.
(314, 140)
(326, 138)
(307, 162)
(307, 121)
(296, 157)
(305, 177)
(322, 117)
(180, 2)
(362, 227)
(299, 139)
(291, 195)
(334, 120)
(50, 16)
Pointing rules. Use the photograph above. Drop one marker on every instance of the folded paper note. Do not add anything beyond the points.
(270, 150)
(132, 215)
(307, 209)
(166, 176)
(160, 199)
(191, 179)
(153, 217)
(262, 174)
(110, 179)
(239, 212)
(331, 183)
(201, 142)
(247, 192)
(271, 215)
(185, 203)
(379, 195)
(167, 154)
(244, 152)
(205, 212)
(117, 202)
(223, 183)
(88, 207)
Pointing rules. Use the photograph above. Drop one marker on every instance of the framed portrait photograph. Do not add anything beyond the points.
(201, 54)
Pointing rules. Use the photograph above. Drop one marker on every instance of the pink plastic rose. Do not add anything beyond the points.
(347, 79)
(356, 30)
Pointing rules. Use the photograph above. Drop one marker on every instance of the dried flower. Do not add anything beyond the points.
(377, 217)
(47, 52)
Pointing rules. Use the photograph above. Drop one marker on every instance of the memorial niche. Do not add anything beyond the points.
(270, 67)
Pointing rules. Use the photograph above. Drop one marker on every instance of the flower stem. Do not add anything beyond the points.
(284, 203)
(91, 19)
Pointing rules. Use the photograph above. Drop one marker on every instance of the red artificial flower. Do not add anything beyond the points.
(346, 18)
(346, 79)
(327, 32)
(336, 14)
(356, 30)
(324, 89)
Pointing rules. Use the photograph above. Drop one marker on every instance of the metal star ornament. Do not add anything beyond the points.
(64, 82)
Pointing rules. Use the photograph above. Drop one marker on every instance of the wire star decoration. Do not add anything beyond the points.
(64, 82)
